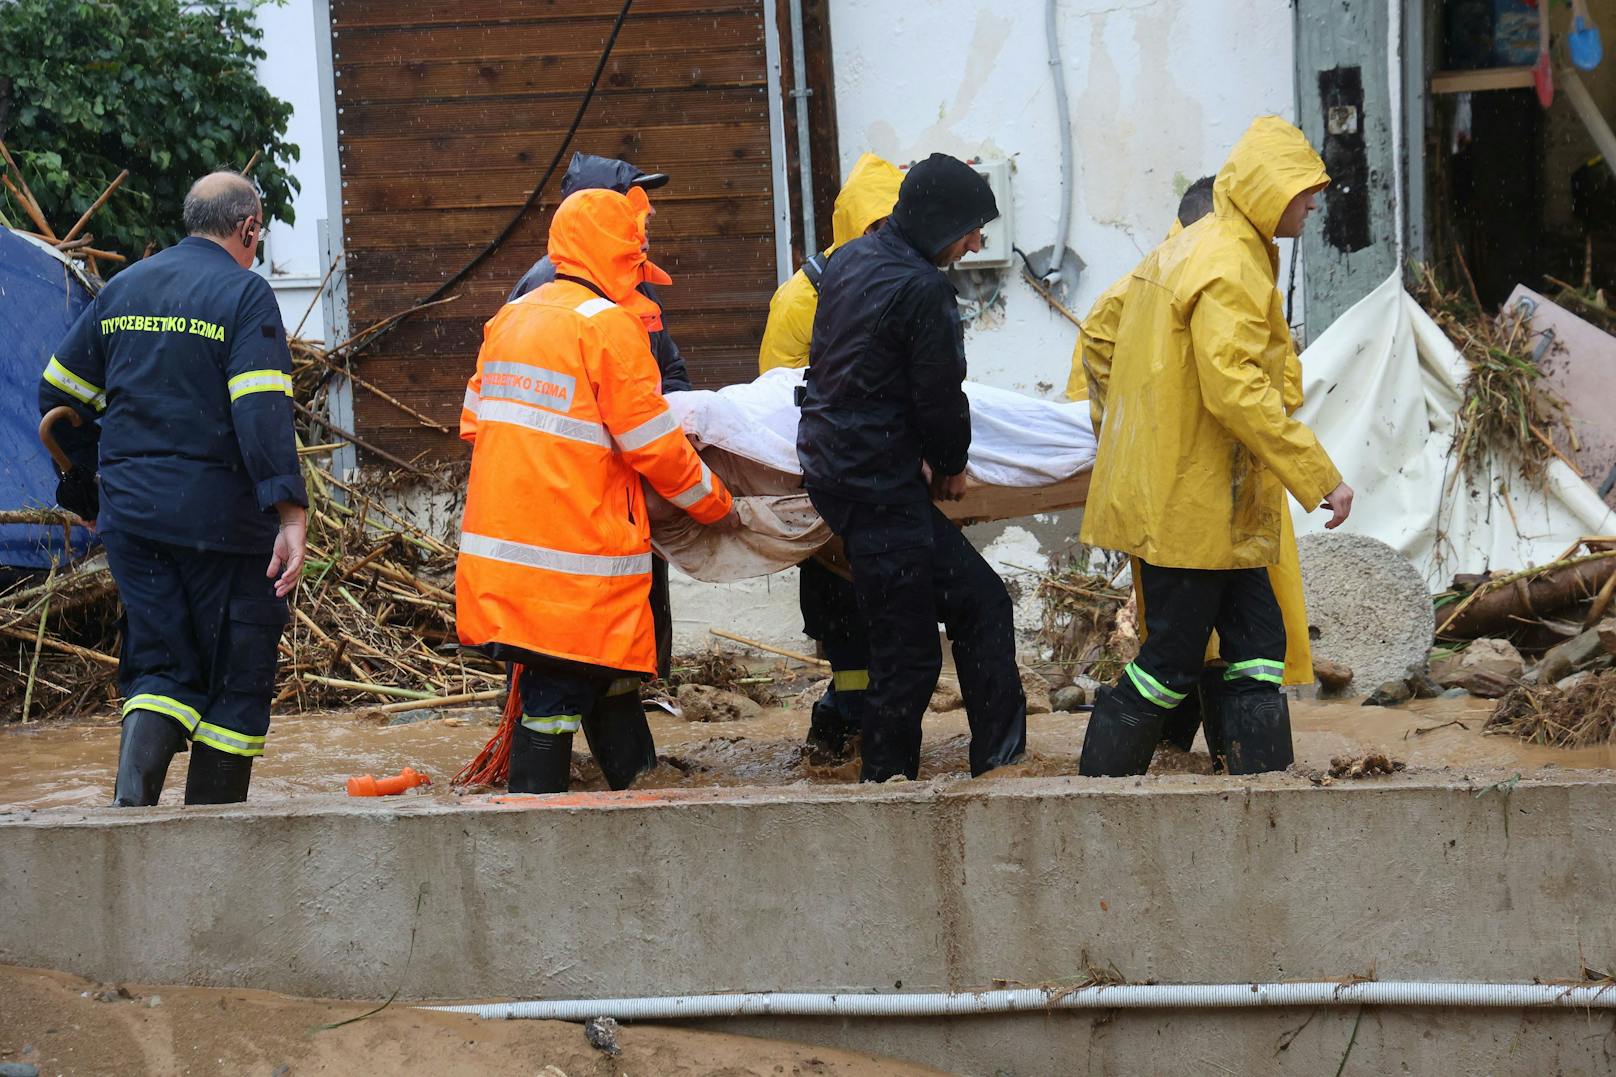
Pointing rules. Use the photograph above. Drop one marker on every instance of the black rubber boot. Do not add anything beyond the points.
(1121, 737)
(830, 731)
(149, 743)
(540, 762)
(1257, 731)
(1180, 724)
(620, 738)
(217, 777)
(1211, 696)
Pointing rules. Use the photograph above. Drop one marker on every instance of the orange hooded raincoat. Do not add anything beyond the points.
(564, 417)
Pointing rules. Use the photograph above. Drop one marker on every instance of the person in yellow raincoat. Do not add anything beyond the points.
(830, 612)
(1091, 372)
(1196, 451)
(865, 200)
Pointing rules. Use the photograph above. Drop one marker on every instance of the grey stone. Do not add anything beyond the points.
(1367, 607)
(1390, 694)
(18, 1069)
(1454, 693)
(1585, 651)
(1487, 662)
(1421, 684)
(1565, 684)
(426, 714)
(1068, 699)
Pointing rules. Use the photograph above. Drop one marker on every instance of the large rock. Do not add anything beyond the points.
(1367, 607)
(1585, 651)
(704, 703)
(1487, 668)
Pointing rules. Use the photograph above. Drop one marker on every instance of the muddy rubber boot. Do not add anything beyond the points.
(540, 762)
(148, 744)
(1211, 699)
(1257, 731)
(830, 731)
(1121, 737)
(1180, 724)
(217, 777)
(620, 738)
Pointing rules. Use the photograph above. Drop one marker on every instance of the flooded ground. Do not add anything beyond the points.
(312, 756)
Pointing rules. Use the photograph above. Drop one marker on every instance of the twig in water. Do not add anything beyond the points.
(39, 641)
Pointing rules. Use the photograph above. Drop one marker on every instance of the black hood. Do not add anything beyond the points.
(588, 172)
(941, 199)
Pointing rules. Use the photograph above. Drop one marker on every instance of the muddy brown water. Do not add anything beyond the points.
(312, 756)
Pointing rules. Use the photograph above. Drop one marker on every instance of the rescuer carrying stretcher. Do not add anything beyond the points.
(565, 417)
(830, 612)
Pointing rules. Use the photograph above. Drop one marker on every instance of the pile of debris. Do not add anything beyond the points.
(1089, 621)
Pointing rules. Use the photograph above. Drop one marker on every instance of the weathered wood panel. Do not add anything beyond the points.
(447, 116)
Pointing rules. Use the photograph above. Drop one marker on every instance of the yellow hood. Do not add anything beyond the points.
(1270, 165)
(868, 195)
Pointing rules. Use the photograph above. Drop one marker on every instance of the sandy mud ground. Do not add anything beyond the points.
(311, 756)
(65, 1025)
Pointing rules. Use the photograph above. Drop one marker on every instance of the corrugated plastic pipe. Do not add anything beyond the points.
(1109, 997)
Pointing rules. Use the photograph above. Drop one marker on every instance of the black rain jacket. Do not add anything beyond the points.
(885, 368)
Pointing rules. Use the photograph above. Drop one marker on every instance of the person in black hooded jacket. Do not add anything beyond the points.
(885, 429)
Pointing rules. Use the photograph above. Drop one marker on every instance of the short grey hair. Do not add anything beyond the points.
(218, 202)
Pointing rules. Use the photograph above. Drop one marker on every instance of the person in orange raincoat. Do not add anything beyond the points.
(565, 417)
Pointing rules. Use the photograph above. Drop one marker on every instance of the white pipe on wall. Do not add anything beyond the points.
(1103, 997)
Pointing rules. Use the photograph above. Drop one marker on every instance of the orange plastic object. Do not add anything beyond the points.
(366, 786)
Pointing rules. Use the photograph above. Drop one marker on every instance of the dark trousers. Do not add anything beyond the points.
(1182, 607)
(200, 635)
(911, 569)
(561, 697)
(661, 616)
(831, 615)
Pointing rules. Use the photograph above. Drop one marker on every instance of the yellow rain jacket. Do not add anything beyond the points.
(1198, 447)
(868, 195)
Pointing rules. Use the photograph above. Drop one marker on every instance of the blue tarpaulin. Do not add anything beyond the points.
(40, 297)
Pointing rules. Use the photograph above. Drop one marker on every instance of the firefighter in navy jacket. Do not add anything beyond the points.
(181, 368)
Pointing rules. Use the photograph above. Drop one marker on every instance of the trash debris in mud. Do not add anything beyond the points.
(601, 1032)
(1373, 763)
(1506, 402)
(704, 703)
(1580, 715)
(718, 670)
(1087, 625)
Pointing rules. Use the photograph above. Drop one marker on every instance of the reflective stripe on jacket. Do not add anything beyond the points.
(565, 418)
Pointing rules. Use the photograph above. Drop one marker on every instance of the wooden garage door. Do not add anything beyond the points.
(448, 115)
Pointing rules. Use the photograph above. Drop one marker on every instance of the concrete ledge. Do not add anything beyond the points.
(923, 886)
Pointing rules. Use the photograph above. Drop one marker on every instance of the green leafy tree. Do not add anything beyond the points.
(163, 88)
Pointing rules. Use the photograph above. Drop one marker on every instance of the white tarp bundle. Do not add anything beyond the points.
(1015, 440)
(1381, 390)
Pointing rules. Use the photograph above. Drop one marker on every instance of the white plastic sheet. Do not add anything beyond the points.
(1381, 390)
(1016, 440)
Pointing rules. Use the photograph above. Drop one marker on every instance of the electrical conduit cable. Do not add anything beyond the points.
(1101, 997)
(1056, 272)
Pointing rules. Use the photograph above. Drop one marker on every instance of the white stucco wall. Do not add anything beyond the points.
(1159, 90)
(292, 260)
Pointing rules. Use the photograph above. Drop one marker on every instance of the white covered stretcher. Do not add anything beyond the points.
(1027, 456)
